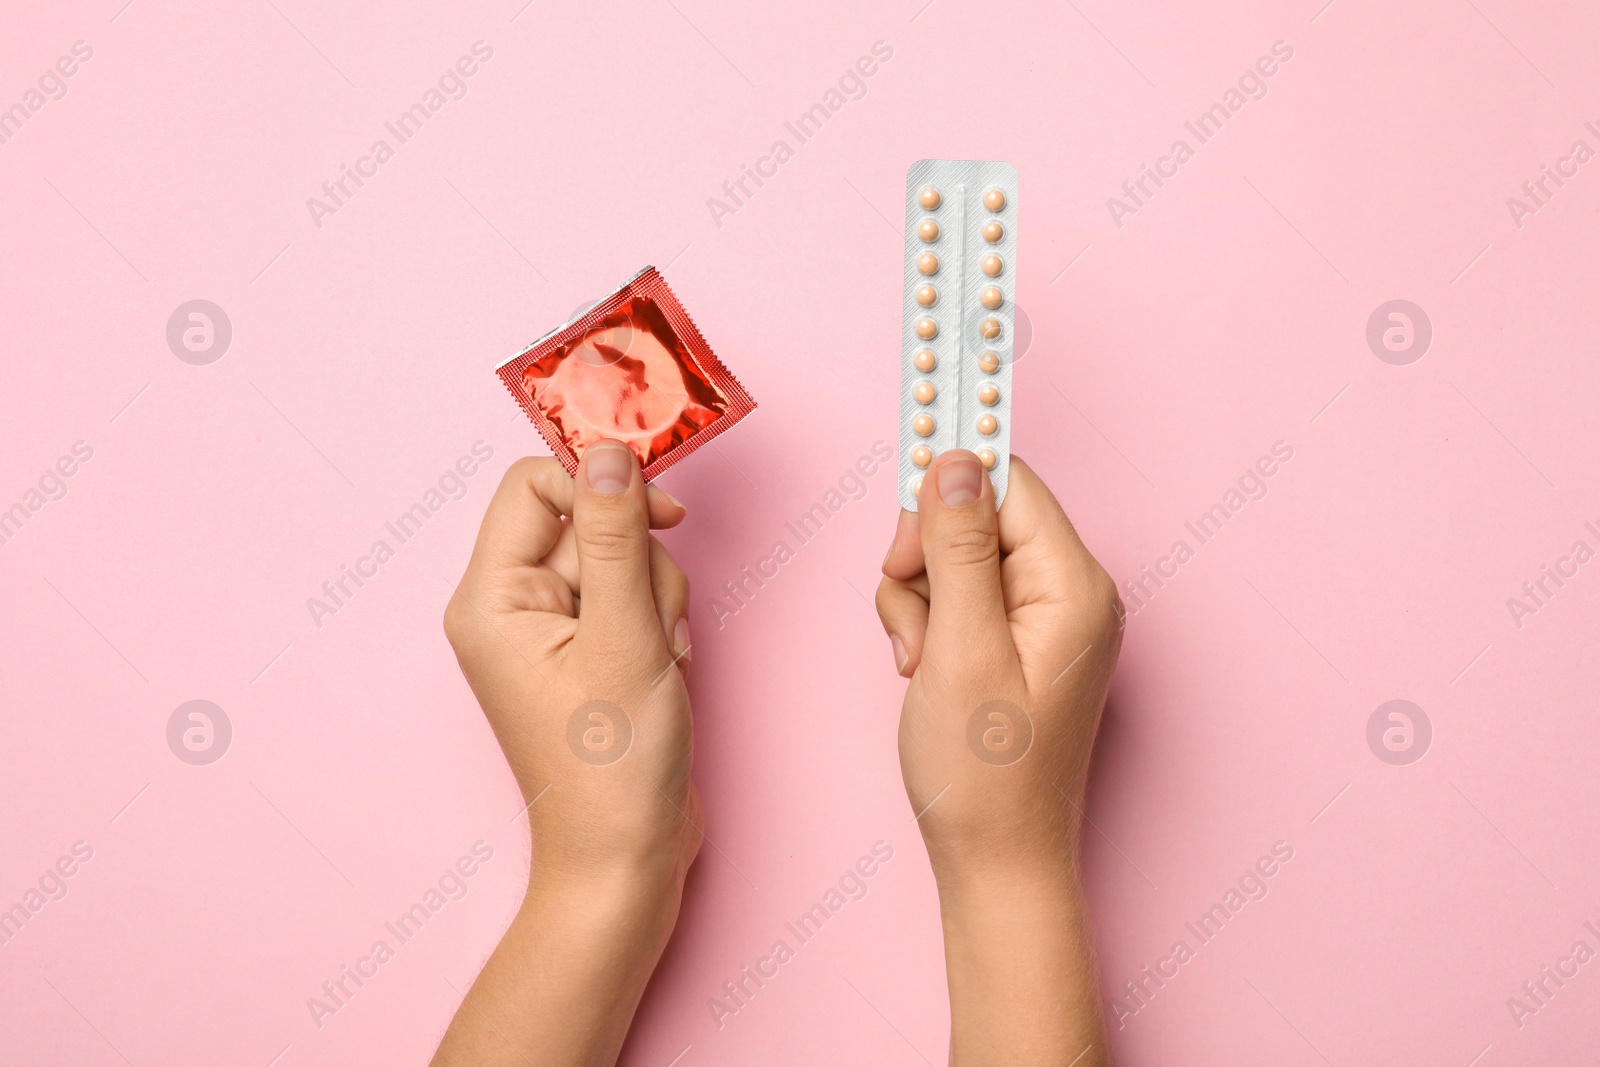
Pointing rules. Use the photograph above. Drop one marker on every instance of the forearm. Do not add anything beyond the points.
(561, 988)
(1021, 971)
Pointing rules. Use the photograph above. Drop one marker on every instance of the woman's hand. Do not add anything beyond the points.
(569, 625)
(1009, 631)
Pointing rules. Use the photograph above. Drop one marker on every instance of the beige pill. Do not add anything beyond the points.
(929, 231)
(994, 199)
(927, 329)
(922, 455)
(925, 360)
(986, 457)
(928, 263)
(916, 487)
(991, 265)
(989, 395)
(991, 298)
(990, 328)
(930, 199)
(987, 425)
(925, 392)
(988, 363)
(926, 295)
(992, 231)
(923, 424)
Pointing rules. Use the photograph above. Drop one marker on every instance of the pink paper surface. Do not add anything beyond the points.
(1176, 340)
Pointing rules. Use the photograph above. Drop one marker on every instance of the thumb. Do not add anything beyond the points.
(610, 525)
(961, 545)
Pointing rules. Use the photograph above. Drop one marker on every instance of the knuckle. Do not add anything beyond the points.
(969, 546)
(524, 469)
(883, 600)
(609, 538)
(455, 619)
(674, 586)
(1101, 603)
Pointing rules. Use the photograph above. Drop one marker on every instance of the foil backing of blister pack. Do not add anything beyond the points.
(959, 311)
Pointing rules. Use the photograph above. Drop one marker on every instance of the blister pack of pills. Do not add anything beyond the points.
(956, 334)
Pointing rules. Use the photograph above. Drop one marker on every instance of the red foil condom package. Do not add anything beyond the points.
(632, 368)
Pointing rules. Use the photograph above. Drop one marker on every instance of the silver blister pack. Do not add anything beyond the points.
(959, 304)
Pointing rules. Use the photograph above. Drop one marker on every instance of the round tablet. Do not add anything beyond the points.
(925, 360)
(991, 298)
(987, 425)
(929, 231)
(988, 394)
(925, 392)
(928, 263)
(916, 487)
(988, 362)
(990, 328)
(994, 199)
(991, 265)
(930, 199)
(992, 231)
(923, 424)
(927, 294)
(922, 455)
(986, 457)
(927, 328)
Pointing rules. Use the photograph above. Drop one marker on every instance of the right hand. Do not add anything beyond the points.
(1009, 630)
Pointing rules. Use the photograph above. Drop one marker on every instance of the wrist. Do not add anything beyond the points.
(617, 919)
(1017, 945)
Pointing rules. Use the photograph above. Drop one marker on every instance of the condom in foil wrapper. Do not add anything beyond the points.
(632, 368)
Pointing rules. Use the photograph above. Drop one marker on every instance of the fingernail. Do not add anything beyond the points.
(886, 556)
(960, 482)
(900, 656)
(608, 468)
(676, 502)
(680, 640)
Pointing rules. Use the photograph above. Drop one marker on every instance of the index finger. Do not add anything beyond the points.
(522, 524)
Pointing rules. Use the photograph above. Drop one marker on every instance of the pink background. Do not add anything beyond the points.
(1170, 353)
